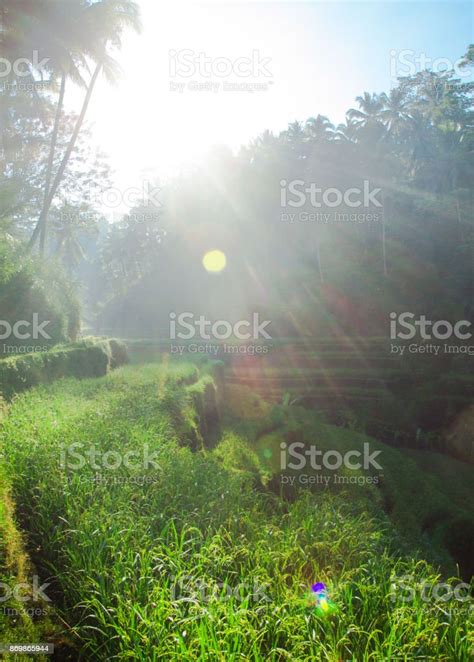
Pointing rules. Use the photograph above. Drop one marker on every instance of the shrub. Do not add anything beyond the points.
(119, 353)
(28, 287)
(89, 358)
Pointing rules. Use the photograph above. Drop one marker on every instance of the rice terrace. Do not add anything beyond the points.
(236, 331)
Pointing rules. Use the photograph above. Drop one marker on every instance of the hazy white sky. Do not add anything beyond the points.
(320, 56)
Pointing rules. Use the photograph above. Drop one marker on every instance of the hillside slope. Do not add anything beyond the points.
(191, 552)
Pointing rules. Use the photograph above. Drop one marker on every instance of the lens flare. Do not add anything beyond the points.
(214, 261)
(318, 599)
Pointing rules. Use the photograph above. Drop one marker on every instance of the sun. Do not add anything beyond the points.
(214, 261)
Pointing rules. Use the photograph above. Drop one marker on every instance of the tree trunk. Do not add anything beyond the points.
(52, 149)
(384, 250)
(320, 266)
(65, 159)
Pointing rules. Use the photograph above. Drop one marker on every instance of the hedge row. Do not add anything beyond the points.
(89, 358)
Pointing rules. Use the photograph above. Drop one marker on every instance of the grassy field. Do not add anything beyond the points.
(357, 383)
(196, 551)
(21, 620)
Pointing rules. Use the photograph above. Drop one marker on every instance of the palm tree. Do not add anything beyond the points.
(264, 145)
(293, 140)
(70, 223)
(394, 112)
(347, 132)
(266, 139)
(370, 106)
(103, 22)
(319, 129)
(67, 50)
(469, 57)
(294, 134)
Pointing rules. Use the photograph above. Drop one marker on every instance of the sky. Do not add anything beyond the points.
(305, 57)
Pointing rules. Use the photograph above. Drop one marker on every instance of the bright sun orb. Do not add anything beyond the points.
(214, 261)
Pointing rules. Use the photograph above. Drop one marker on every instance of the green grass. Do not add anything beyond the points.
(130, 557)
(415, 489)
(30, 621)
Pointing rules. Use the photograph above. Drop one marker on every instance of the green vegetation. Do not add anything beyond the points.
(88, 358)
(156, 500)
(357, 384)
(143, 560)
(20, 621)
(29, 288)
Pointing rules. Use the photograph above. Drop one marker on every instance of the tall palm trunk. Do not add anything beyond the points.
(57, 180)
(455, 189)
(320, 266)
(384, 248)
(52, 149)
